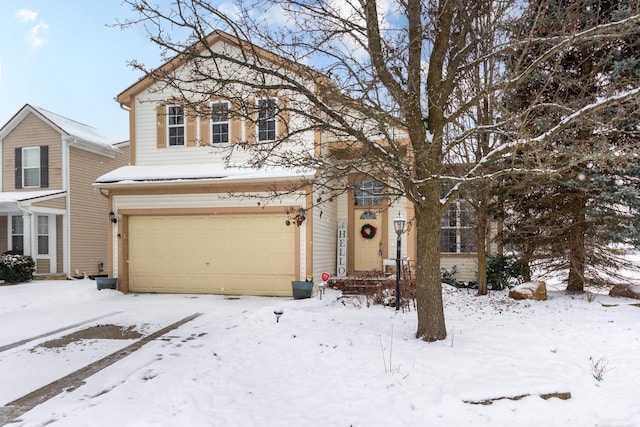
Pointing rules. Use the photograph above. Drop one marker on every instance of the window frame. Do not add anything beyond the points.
(172, 115)
(43, 237)
(221, 123)
(14, 235)
(460, 226)
(263, 105)
(364, 192)
(31, 169)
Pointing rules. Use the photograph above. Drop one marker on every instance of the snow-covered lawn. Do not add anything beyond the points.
(328, 362)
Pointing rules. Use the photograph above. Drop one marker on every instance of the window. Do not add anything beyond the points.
(219, 122)
(458, 230)
(368, 192)
(267, 119)
(31, 167)
(43, 235)
(17, 234)
(175, 124)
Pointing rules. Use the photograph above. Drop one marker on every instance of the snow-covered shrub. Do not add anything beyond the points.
(449, 276)
(503, 271)
(16, 268)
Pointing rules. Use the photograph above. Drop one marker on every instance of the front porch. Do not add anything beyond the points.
(371, 282)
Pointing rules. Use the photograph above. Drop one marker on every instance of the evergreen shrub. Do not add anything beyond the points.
(16, 268)
(503, 271)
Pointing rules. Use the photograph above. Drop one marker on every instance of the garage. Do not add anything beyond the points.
(246, 254)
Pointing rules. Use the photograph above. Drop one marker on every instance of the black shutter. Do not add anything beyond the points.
(44, 166)
(18, 162)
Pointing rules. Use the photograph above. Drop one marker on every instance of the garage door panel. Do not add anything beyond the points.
(228, 254)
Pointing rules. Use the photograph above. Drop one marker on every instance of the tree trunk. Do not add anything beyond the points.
(577, 257)
(431, 324)
(482, 216)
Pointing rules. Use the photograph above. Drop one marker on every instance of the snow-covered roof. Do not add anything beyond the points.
(77, 129)
(23, 196)
(197, 172)
(85, 135)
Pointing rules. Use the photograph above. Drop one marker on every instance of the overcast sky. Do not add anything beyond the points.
(61, 56)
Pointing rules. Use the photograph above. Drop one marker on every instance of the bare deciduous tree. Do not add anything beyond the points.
(398, 99)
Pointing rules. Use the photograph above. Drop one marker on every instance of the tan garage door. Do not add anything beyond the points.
(220, 254)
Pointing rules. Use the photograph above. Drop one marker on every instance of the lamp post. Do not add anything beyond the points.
(398, 225)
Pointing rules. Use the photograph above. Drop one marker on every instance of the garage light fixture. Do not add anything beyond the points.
(113, 217)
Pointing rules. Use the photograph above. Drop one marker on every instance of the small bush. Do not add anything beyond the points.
(503, 271)
(449, 276)
(16, 268)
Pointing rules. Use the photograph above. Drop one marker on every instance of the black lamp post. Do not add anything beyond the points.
(398, 225)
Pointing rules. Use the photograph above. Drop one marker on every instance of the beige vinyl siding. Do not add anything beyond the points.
(57, 203)
(147, 123)
(32, 132)
(89, 210)
(325, 236)
(43, 266)
(400, 207)
(467, 266)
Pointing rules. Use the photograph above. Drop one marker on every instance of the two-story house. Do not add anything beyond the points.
(48, 206)
(186, 222)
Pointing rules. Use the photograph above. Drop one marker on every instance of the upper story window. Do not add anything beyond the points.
(368, 192)
(458, 229)
(175, 124)
(219, 122)
(267, 109)
(32, 167)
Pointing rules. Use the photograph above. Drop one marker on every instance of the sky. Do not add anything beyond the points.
(63, 56)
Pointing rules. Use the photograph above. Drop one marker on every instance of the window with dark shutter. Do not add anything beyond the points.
(32, 167)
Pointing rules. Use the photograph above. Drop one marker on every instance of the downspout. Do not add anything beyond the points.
(66, 219)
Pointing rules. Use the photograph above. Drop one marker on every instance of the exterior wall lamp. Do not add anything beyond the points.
(113, 217)
(398, 224)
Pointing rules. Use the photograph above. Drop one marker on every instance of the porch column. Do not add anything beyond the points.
(27, 233)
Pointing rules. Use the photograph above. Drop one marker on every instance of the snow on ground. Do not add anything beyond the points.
(329, 362)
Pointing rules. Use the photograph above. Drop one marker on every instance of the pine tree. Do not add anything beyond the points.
(571, 218)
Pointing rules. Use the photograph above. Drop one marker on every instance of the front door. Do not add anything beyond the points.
(367, 238)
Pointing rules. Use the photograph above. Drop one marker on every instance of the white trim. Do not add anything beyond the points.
(169, 126)
(275, 119)
(66, 216)
(10, 232)
(51, 234)
(23, 168)
(211, 123)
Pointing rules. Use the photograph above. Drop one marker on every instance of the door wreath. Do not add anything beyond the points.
(368, 231)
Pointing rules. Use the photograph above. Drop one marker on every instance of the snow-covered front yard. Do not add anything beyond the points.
(329, 362)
